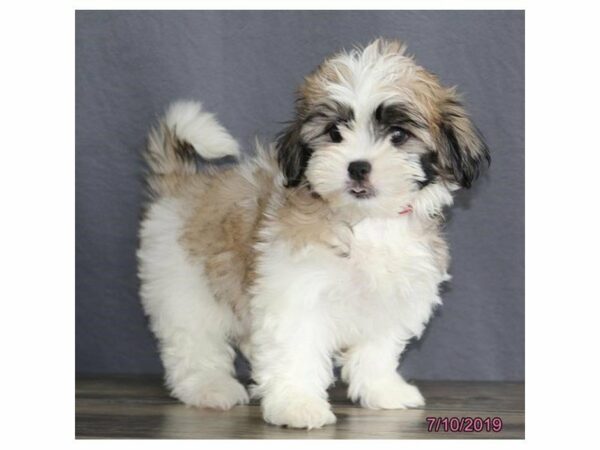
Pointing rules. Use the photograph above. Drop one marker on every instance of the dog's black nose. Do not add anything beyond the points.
(359, 170)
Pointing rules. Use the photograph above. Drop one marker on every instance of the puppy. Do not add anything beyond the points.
(325, 247)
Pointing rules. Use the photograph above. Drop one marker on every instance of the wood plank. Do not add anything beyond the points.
(140, 407)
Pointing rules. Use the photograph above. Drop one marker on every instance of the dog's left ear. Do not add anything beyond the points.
(292, 154)
(461, 146)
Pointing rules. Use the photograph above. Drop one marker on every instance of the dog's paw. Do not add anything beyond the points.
(391, 394)
(298, 412)
(223, 393)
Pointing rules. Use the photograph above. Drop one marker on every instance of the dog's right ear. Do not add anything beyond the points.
(292, 154)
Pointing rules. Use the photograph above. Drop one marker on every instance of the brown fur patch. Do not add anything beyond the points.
(227, 214)
(171, 162)
(305, 219)
(222, 229)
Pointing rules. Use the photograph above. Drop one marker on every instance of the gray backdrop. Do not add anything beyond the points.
(244, 66)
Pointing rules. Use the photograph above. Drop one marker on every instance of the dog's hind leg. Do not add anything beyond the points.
(191, 326)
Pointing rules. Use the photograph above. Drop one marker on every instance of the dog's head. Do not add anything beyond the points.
(377, 133)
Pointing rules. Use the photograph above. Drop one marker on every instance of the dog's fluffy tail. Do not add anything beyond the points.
(184, 131)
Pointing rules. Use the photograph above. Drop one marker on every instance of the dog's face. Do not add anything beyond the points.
(376, 133)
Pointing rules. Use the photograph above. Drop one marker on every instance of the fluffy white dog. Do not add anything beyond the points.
(324, 247)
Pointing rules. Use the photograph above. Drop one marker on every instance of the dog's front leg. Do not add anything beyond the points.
(291, 353)
(371, 371)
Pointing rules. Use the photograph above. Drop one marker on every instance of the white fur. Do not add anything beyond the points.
(200, 129)
(190, 325)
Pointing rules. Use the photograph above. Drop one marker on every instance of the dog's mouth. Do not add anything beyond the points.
(361, 190)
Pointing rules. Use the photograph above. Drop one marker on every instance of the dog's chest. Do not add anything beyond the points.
(387, 248)
(391, 277)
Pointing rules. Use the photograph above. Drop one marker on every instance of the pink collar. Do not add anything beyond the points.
(406, 210)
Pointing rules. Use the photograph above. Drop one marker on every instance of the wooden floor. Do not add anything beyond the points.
(129, 407)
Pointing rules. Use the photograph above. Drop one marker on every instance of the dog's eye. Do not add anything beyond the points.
(399, 135)
(334, 134)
